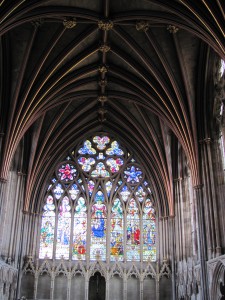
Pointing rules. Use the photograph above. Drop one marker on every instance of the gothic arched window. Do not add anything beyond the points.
(98, 205)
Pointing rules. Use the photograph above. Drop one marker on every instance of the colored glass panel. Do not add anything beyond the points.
(115, 149)
(108, 187)
(86, 163)
(67, 172)
(133, 232)
(116, 233)
(91, 186)
(114, 164)
(74, 191)
(149, 232)
(98, 228)
(125, 193)
(100, 156)
(58, 191)
(63, 230)
(140, 194)
(47, 229)
(133, 174)
(87, 148)
(79, 230)
(100, 171)
(101, 141)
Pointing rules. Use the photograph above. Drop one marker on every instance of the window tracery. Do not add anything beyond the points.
(99, 205)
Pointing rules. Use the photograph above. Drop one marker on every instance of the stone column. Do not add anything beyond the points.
(141, 288)
(201, 242)
(124, 287)
(107, 287)
(86, 285)
(35, 285)
(69, 276)
(52, 286)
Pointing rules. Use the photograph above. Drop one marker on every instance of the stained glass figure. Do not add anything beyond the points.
(98, 228)
(115, 149)
(114, 164)
(140, 194)
(87, 148)
(133, 174)
(116, 238)
(58, 191)
(108, 187)
(47, 229)
(79, 230)
(125, 193)
(101, 141)
(133, 232)
(86, 163)
(74, 191)
(149, 232)
(100, 171)
(67, 172)
(63, 230)
(91, 186)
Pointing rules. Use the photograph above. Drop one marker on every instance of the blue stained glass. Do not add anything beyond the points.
(114, 150)
(87, 149)
(116, 238)
(74, 191)
(133, 174)
(58, 191)
(101, 141)
(98, 228)
(125, 193)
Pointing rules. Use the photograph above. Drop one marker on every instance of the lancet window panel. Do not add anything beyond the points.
(98, 205)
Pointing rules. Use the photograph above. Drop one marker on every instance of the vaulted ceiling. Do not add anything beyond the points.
(70, 68)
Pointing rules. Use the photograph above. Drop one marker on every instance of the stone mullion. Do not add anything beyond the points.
(71, 229)
(125, 236)
(214, 202)
(108, 234)
(141, 235)
(207, 205)
(3, 191)
(172, 254)
(202, 242)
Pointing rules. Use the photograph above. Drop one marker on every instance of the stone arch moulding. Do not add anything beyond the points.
(218, 279)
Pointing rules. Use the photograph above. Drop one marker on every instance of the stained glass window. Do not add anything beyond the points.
(99, 205)
(98, 227)
(116, 233)
(79, 230)
(133, 232)
(47, 229)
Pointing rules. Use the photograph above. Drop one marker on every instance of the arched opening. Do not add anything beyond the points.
(97, 287)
